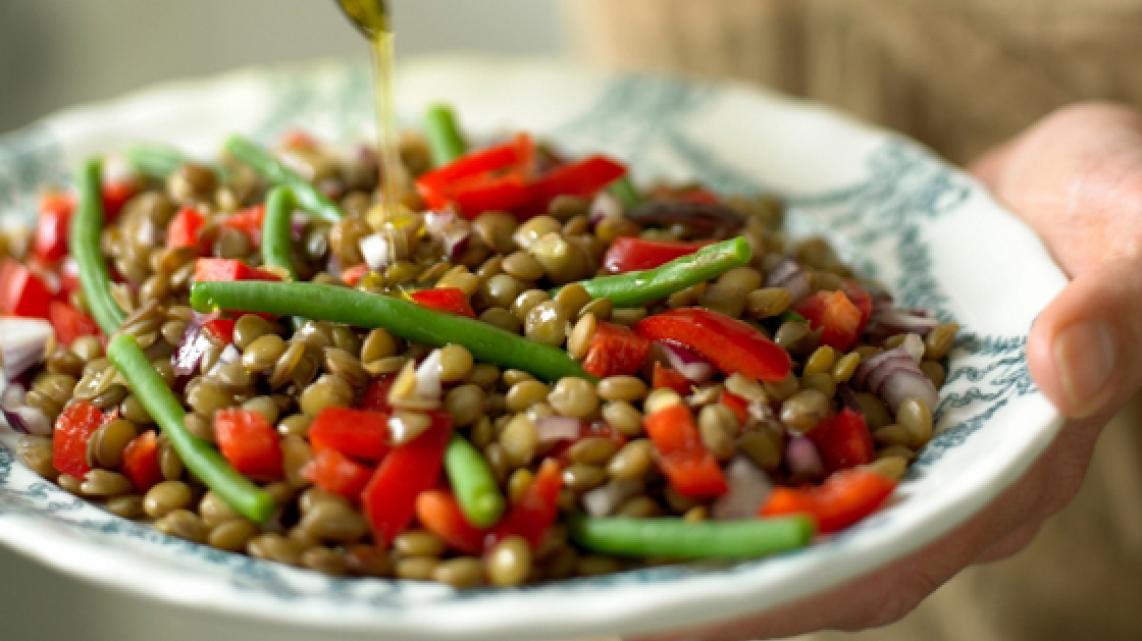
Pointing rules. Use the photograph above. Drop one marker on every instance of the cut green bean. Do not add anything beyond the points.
(636, 288)
(85, 244)
(159, 161)
(405, 319)
(626, 192)
(272, 169)
(199, 456)
(444, 138)
(277, 234)
(678, 539)
(472, 480)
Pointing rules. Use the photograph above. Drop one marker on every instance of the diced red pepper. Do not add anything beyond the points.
(628, 254)
(689, 467)
(228, 269)
(730, 344)
(615, 350)
(533, 516)
(73, 429)
(493, 178)
(390, 497)
(68, 278)
(444, 299)
(115, 195)
(334, 472)
(738, 405)
(220, 330)
(249, 442)
(184, 228)
(667, 377)
(861, 298)
(376, 396)
(141, 462)
(22, 293)
(50, 243)
(297, 139)
(440, 513)
(248, 221)
(354, 274)
(583, 178)
(843, 440)
(834, 314)
(70, 323)
(843, 499)
(360, 434)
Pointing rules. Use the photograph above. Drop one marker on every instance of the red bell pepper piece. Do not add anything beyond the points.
(843, 440)
(615, 350)
(50, 243)
(115, 195)
(354, 274)
(628, 254)
(444, 299)
(376, 396)
(141, 462)
(360, 434)
(730, 344)
(68, 278)
(843, 499)
(73, 429)
(492, 178)
(689, 467)
(535, 513)
(70, 323)
(861, 298)
(249, 442)
(22, 293)
(220, 330)
(440, 513)
(390, 497)
(184, 228)
(334, 472)
(738, 405)
(248, 221)
(227, 269)
(297, 139)
(667, 377)
(834, 314)
(583, 178)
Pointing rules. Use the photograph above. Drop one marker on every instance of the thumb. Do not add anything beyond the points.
(1085, 347)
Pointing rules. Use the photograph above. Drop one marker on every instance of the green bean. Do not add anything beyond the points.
(270, 168)
(636, 288)
(85, 245)
(199, 457)
(444, 139)
(472, 480)
(159, 161)
(277, 234)
(408, 320)
(678, 539)
(625, 191)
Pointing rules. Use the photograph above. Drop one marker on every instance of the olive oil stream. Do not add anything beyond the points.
(373, 19)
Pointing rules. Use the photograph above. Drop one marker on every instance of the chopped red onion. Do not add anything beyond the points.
(230, 354)
(376, 250)
(894, 376)
(22, 344)
(452, 232)
(20, 417)
(888, 320)
(604, 500)
(192, 345)
(789, 274)
(428, 383)
(914, 345)
(748, 486)
(605, 205)
(695, 368)
(709, 220)
(552, 429)
(803, 459)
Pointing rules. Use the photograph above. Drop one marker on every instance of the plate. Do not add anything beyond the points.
(896, 212)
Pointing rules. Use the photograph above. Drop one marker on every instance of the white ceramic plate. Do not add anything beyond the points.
(926, 230)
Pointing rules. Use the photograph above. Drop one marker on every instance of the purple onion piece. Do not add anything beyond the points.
(20, 417)
(803, 459)
(789, 274)
(605, 205)
(192, 345)
(22, 344)
(552, 429)
(748, 486)
(707, 220)
(604, 500)
(894, 376)
(695, 368)
(452, 232)
(428, 384)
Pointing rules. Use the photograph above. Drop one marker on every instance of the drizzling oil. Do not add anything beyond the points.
(373, 19)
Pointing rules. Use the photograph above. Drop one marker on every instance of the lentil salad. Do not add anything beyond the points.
(547, 373)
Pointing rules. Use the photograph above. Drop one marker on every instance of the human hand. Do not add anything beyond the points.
(1076, 178)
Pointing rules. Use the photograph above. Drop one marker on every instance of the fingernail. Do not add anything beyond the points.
(1085, 354)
